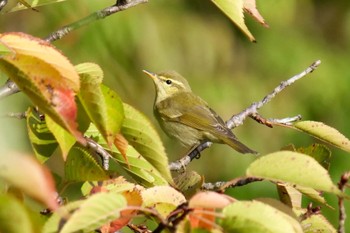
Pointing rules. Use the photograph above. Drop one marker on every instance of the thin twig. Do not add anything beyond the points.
(91, 18)
(17, 115)
(221, 186)
(8, 89)
(252, 112)
(310, 211)
(342, 213)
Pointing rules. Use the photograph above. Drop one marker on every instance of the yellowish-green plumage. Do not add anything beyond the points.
(186, 116)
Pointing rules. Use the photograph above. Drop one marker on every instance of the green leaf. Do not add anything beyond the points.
(325, 133)
(141, 134)
(319, 152)
(65, 139)
(234, 10)
(27, 174)
(33, 4)
(42, 140)
(289, 195)
(14, 217)
(313, 194)
(295, 168)
(53, 83)
(138, 168)
(53, 224)
(255, 216)
(102, 105)
(94, 212)
(162, 198)
(81, 166)
(188, 180)
(317, 223)
(5, 50)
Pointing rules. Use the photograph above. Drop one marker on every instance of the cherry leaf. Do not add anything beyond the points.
(255, 216)
(25, 173)
(324, 133)
(42, 140)
(45, 76)
(234, 10)
(95, 211)
(102, 105)
(295, 168)
(249, 6)
(163, 198)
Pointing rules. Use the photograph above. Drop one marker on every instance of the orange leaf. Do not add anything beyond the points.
(122, 144)
(132, 194)
(204, 204)
(134, 199)
(201, 218)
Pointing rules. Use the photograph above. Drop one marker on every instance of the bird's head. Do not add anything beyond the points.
(168, 83)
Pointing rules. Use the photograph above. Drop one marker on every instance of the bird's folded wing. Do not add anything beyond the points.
(192, 111)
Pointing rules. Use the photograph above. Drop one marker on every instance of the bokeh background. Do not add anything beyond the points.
(222, 66)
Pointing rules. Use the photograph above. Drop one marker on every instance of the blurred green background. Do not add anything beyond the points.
(222, 66)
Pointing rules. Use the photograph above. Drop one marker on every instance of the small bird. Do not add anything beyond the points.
(186, 116)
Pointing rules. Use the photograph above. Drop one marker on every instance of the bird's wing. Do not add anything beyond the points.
(180, 108)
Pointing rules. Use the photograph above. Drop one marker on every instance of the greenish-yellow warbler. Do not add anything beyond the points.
(186, 116)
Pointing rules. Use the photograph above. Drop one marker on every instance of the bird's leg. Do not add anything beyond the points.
(195, 152)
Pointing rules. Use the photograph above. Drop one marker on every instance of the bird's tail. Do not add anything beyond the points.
(238, 146)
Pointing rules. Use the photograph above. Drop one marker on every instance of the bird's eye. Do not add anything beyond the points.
(168, 81)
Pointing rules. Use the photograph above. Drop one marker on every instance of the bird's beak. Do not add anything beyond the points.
(150, 74)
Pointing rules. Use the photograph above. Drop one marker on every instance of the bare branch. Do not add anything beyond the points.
(18, 115)
(342, 213)
(221, 186)
(239, 118)
(100, 151)
(252, 112)
(8, 89)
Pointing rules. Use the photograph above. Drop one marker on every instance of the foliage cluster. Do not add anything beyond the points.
(112, 152)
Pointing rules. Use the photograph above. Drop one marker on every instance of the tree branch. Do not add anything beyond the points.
(252, 112)
(96, 148)
(221, 186)
(119, 6)
(8, 89)
(342, 213)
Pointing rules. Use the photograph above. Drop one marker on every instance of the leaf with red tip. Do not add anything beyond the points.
(27, 174)
(249, 6)
(45, 76)
(234, 11)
